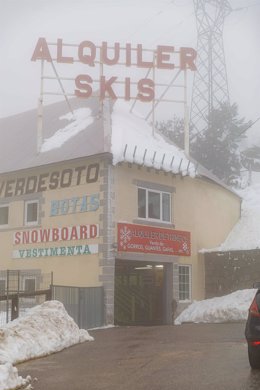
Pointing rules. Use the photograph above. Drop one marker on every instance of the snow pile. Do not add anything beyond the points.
(80, 119)
(143, 147)
(9, 378)
(232, 307)
(245, 234)
(42, 330)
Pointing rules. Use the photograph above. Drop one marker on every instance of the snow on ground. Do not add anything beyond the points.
(79, 121)
(232, 307)
(48, 328)
(42, 330)
(129, 128)
(245, 234)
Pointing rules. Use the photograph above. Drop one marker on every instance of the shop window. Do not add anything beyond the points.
(184, 282)
(4, 215)
(32, 212)
(2, 286)
(154, 205)
(29, 285)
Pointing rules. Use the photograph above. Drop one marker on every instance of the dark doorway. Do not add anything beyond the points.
(139, 293)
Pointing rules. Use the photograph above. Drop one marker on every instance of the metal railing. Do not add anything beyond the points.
(84, 304)
(21, 290)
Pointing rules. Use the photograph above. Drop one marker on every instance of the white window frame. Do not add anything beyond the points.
(189, 267)
(30, 223)
(4, 206)
(146, 218)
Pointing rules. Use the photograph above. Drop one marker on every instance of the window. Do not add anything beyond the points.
(184, 282)
(154, 205)
(29, 285)
(31, 212)
(2, 286)
(4, 213)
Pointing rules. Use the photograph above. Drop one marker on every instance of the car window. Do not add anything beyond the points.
(258, 299)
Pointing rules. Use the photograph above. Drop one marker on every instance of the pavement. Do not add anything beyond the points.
(185, 357)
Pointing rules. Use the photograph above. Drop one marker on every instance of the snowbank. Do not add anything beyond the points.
(42, 330)
(9, 378)
(232, 307)
(244, 235)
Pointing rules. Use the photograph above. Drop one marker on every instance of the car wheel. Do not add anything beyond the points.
(254, 357)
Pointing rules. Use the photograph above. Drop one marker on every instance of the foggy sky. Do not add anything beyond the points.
(150, 22)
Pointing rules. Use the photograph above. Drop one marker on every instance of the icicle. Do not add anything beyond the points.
(154, 157)
(125, 150)
(144, 156)
(163, 160)
(172, 161)
(134, 152)
(180, 165)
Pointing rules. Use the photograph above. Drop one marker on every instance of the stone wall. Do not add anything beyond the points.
(226, 272)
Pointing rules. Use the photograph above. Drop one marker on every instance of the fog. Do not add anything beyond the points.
(151, 23)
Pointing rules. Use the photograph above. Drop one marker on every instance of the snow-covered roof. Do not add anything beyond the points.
(85, 132)
(91, 129)
(65, 136)
(246, 233)
(134, 140)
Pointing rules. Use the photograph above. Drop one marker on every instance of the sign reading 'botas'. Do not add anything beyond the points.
(146, 239)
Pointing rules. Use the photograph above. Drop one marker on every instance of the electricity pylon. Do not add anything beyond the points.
(210, 87)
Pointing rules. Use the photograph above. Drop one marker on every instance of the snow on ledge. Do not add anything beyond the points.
(42, 330)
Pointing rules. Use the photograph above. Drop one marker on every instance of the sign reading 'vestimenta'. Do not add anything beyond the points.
(147, 239)
(89, 54)
(55, 235)
(74, 250)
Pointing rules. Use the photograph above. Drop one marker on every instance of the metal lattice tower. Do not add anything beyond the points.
(210, 87)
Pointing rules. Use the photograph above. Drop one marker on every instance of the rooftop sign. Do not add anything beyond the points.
(88, 54)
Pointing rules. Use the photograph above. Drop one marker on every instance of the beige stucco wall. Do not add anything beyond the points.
(74, 270)
(205, 209)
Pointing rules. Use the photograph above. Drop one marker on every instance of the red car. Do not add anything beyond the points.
(252, 331)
